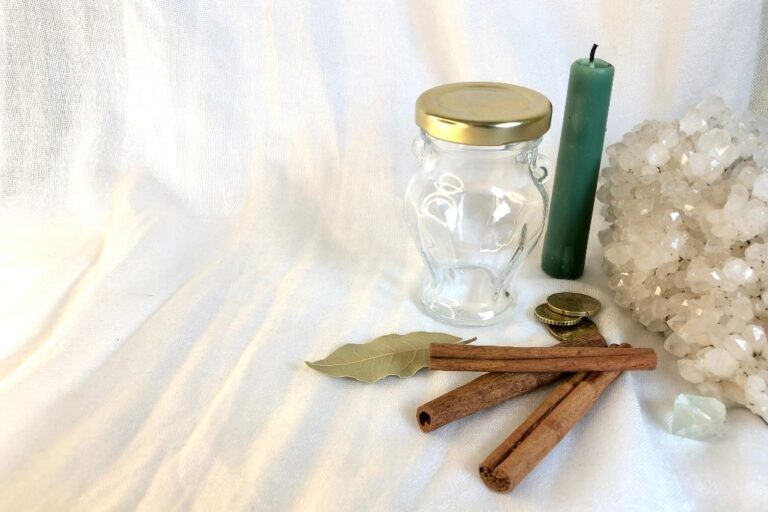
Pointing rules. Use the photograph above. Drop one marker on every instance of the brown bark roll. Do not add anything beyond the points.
(496, 478)
(490, 390)
(508, 464)
(641, 359)
(448, 351)
(514, 458)
(486, 391)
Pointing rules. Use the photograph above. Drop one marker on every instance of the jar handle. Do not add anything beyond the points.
(540, 169)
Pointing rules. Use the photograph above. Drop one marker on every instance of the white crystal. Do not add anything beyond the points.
(716, 144)
(699, 165)
(755, 382)
(738, 347)
(698, 417)
(690, 372)
(713, 142)
(719, 363)
(756, 337)
(657, 155)
(618, 253)
(686, 249)
(747, 176)
(693, 122)
(761, 155)
(760, 187)
(737, 270)
(737, 199)
(668, 135)
(676, 346)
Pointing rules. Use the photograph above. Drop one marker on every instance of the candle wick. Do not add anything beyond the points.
(592, 54)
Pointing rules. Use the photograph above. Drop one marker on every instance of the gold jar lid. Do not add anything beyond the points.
(483, 113)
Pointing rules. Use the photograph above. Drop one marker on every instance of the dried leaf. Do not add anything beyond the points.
(393, 354)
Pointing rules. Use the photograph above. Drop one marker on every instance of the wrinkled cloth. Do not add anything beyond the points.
(199, 196)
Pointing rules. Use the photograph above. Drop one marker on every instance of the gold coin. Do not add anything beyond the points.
(549, 317)
(573, 304)
(566, 333)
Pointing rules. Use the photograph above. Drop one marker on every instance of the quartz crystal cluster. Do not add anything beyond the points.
(687, 246)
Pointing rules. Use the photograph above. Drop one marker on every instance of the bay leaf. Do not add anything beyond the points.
(393, 354)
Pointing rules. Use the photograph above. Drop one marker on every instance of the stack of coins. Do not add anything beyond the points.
(564, 311)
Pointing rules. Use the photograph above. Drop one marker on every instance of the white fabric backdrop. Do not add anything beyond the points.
(198, 196)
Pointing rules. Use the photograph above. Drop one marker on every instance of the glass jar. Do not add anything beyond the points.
(479, 204)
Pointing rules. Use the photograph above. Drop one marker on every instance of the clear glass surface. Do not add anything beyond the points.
(475, 213)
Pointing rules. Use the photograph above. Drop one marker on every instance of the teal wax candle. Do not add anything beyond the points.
(578, 165)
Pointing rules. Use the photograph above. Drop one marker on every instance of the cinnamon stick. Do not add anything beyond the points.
(511, 461)
(491, 389)
(448, 351)
(551, 359)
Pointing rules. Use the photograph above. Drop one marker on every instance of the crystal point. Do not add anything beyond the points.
(698, 417)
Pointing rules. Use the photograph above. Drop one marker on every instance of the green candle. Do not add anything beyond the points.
(578, 164)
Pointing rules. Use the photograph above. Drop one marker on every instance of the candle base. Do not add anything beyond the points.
(562, 265)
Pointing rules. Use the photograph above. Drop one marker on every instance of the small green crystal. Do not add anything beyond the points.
(698, 417)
